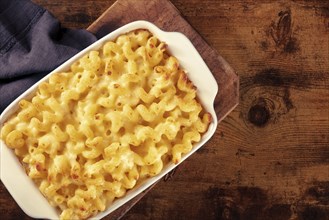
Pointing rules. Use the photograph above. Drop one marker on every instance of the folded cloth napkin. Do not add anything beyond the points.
(32, 44)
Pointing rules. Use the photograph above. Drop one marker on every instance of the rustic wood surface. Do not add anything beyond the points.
(269, 158)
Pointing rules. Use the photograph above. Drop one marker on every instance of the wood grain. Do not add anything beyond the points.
(269, 158)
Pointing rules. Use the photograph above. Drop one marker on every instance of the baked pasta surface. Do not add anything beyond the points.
(116, 117)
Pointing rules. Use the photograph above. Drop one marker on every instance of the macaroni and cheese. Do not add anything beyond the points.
(116, 117)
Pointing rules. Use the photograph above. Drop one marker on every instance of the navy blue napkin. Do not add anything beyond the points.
(32, 44)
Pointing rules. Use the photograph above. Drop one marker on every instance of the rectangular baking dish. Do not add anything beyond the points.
(23, 189)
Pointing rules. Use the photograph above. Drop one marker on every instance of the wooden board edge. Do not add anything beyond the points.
(236, 85)
(92, 26)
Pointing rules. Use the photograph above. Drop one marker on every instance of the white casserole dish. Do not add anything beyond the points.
(23, 189)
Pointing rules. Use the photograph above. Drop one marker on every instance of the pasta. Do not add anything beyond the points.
(116, 117)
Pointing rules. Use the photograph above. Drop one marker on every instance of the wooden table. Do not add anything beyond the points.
(269, 158)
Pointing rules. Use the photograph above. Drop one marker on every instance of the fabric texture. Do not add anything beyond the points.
(32, 44)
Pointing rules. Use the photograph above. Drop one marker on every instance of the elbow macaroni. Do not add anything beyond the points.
(115, 118)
